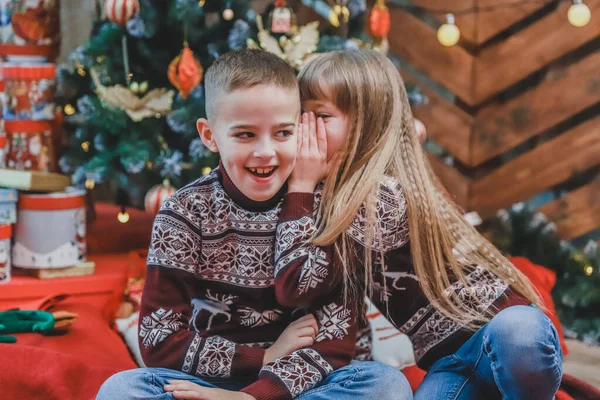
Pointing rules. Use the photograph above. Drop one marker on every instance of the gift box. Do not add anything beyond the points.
(30, 146)
(50, 231)
(29, 30)
(29, 91)
(3, 147)
(8, 206)
(5, 234)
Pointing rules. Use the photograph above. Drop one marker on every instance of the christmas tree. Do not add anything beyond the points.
(520, 231)
(131, 109)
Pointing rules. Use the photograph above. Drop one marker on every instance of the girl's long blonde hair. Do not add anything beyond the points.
(368, 89)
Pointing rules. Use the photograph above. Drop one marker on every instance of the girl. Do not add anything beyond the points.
(473, 318)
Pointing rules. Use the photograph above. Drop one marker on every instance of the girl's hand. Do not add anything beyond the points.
(311, 162)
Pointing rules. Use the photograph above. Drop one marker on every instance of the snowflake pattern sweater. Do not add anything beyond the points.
(209, 306)
(303, 272)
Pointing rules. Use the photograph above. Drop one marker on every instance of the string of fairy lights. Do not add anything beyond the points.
(448, 34)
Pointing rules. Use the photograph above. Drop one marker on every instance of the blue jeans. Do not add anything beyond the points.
(515, 356)
(359, 380)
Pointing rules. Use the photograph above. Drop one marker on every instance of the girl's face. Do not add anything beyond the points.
(337, 123)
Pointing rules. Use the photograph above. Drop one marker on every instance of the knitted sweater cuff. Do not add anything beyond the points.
(296, 205)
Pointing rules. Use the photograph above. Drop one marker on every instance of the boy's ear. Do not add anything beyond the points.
(206, 135)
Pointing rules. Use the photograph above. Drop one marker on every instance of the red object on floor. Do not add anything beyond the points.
(107, 235)
(70, 366)
(106, 284)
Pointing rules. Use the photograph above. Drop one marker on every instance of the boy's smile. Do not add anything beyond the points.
(254, 132)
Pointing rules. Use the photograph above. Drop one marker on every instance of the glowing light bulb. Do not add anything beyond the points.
(448, 34)
(579, 14)
(588, 270)
(123, 217)
(90, 184)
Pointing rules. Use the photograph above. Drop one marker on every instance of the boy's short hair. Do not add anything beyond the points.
(242, 69)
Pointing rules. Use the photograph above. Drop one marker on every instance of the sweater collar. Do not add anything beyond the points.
(241, 199)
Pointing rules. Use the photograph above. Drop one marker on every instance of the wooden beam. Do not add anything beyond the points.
(416, 43)
(455, 183)
(577, 213)
(446, 124)
(478, 28)
(507, 62)
(564, 92)
(491, 23)
(545, 166)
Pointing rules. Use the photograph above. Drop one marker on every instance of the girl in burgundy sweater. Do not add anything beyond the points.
(382, 225)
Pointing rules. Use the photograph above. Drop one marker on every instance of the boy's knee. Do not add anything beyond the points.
(389, 383)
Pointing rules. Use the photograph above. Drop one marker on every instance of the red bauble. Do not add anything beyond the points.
(156, 196)
(121, 11)
(379, 20)
(185, 72)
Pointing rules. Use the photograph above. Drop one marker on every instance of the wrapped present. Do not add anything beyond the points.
(8, 206)
(30, 146)
(5, 234)
(50, 231)
(29, 91)
(29, 30)
(3, 149)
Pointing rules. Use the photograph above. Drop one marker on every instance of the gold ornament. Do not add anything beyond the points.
(69, 109)
(90, 184)
(157, 101)
(206, 170)
(85, 146)
(296, 49)
(228, 14)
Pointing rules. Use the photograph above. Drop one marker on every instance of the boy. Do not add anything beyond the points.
(209, 308)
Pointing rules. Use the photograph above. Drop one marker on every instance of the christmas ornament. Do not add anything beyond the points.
(334, 11)
(295, 49)
(157, 195)
(121, 11)
(281, 18)
(156, 101)
(379, 20)
(185, 71)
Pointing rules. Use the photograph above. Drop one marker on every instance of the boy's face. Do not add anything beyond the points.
(254, 131)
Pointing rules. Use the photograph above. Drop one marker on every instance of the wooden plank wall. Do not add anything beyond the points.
(525, 118)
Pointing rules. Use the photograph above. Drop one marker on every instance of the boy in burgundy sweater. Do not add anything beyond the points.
(210, 325)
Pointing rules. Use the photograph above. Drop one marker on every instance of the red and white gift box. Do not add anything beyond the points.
(30, 146)
(5, 234)
(50, 231)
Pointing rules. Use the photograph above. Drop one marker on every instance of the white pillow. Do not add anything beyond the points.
(390, 346)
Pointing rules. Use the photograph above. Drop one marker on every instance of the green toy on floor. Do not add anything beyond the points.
(46, 323)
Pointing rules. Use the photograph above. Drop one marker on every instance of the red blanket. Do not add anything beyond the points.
(71, 366)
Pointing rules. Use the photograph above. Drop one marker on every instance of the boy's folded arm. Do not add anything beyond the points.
(303, 272)
(168, 338)
(167, 335)
(334, 347)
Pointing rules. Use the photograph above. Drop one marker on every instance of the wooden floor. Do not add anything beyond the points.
(583, 362)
